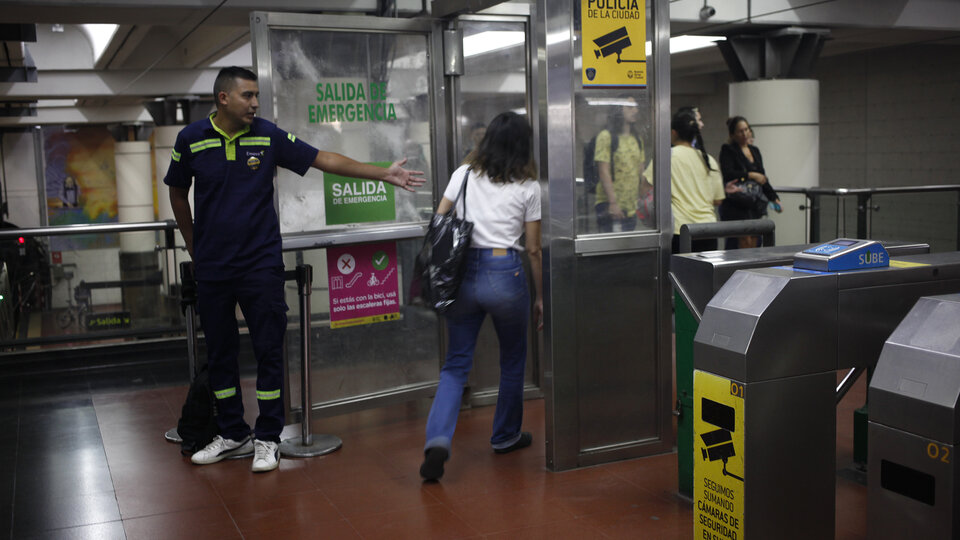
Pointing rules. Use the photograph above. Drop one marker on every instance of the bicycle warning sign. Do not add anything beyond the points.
(613, 44)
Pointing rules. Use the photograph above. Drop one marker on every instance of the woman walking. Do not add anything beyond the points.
(503, 202)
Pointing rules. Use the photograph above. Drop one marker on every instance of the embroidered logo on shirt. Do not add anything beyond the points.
(253, 162)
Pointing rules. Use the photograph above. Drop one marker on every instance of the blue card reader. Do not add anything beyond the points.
(843, 254)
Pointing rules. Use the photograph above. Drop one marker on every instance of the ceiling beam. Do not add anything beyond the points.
(81, 115)
(88, 84)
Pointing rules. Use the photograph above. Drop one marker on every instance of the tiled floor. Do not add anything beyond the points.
(84, 457)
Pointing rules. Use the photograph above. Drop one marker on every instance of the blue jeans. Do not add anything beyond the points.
(494, 284)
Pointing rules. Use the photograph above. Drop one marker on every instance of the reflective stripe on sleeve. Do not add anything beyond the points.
(175, 155)
(255, 141)
(225, 393)
(205, 144)
(268, 394)
(292, 137)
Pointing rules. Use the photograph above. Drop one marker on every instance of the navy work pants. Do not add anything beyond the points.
(260, 295)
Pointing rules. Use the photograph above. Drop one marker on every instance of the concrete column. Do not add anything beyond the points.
(134, 194)
(785, 116)
(138, 257)
(164, 137)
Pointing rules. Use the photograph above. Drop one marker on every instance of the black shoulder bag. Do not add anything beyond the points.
(440, 262)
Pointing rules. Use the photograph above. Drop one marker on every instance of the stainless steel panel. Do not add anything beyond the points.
(916, 384)
(790, 458)
(571, 439)
(891, 515)
(702, 274)
(750, 331)
(617, 368)
(555, 58)
(869, 314)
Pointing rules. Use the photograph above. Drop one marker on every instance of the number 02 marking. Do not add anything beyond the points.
(939, 452)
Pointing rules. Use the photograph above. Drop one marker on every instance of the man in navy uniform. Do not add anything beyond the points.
(236, 249)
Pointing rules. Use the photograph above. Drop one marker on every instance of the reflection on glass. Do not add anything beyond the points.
(364, 95)
(614, 146)
(494, 79)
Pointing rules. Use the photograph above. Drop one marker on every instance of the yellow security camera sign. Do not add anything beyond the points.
(613, 42)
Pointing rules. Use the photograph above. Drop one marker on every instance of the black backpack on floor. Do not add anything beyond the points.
(198, 424)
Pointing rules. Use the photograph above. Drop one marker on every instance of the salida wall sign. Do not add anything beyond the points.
(352, 200)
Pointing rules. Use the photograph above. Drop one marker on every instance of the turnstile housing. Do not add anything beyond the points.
(914, 426)
(697, 278)
(775, 337)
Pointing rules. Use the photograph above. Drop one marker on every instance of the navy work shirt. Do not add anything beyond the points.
(235, 224)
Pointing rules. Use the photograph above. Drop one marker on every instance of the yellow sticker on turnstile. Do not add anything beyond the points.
(905, 264)
(614, 41)
(718, 460)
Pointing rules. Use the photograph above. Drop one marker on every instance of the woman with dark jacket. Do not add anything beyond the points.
(742, 164)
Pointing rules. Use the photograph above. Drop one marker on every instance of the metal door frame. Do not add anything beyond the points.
(557, 39)
(261, 23)
(509, 13)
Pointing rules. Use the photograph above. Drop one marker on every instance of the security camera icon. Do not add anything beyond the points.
(718, 444)
(613, 43)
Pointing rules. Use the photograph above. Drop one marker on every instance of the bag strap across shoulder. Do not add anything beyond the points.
(462, 193)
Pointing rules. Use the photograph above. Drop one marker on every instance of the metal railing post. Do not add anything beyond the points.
(188, 302)
(308, 445)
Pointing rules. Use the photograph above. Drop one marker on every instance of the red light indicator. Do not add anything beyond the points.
(21, 240)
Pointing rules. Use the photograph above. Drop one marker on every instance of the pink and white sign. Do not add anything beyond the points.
(364, 285)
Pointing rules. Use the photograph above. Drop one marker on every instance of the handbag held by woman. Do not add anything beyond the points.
(440, 262)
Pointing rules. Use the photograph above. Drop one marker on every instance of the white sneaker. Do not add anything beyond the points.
(266, 456)
(221, 449)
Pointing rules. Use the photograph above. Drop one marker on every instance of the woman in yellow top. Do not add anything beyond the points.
(619, 145)
(696, 186)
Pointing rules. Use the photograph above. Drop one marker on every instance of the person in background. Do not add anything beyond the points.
(619, 155)
(696, 188)
(742, 166)
(229, 158)
(503, 202)
(695, 111)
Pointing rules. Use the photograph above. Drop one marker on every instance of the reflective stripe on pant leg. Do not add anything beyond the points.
(217, 309)
(261, 299)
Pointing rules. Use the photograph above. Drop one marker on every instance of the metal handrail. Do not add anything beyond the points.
(864, 206)
(91, 228)
(291, 241)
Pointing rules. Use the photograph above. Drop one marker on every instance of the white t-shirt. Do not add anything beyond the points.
(498, 211)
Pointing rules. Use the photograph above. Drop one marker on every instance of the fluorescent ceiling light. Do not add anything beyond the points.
(629, 102)
(681, 44)
(485, 42)
(45, 103)
(100, 36)
(490, 41)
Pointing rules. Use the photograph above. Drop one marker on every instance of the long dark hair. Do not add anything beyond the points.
(685, 124)
(506, 152)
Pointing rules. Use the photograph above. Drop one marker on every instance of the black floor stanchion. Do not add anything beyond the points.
(188, 301)
(308, 445)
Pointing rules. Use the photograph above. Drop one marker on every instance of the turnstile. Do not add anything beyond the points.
(696, 278)
(915, 427)
(765, 356)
